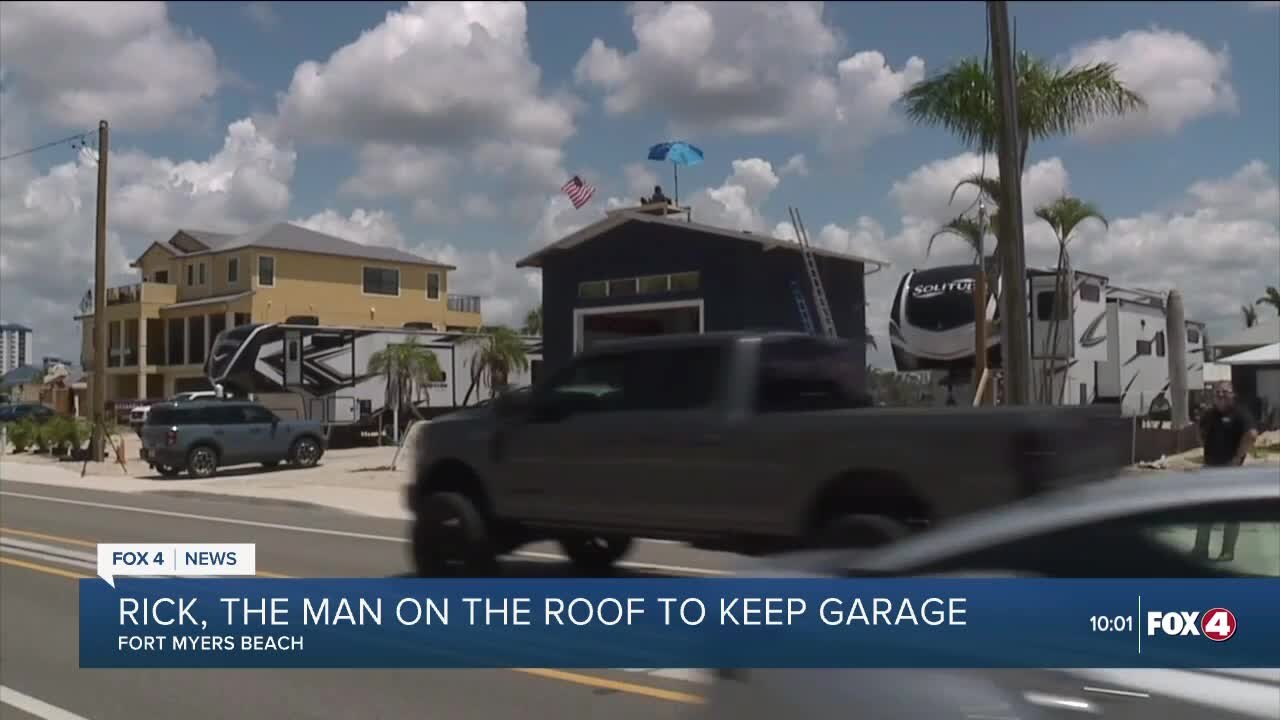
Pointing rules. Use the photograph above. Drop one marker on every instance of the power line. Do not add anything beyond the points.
(81, 137)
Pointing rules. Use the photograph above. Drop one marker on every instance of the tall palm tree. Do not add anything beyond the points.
(533, 321)
(1063, 215)
(1272, 298)
(500, 352)
(408, 368)
(1051, 101)
(1250, 314)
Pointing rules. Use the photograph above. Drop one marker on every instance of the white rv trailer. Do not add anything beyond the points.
(322, 372)
(1110, 342)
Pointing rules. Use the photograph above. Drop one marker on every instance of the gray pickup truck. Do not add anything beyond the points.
(746, 442)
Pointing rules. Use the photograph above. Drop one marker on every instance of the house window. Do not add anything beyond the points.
(162, 276)
(381, 281)
(201, 273)
(191, 274)
(243, 319)
(1193, 336)
(266, 271)
(1090, 292)
(233, 271)
(684, 282)
(1144, 347)
(1160, 344)
(593, 289)
(433, 285)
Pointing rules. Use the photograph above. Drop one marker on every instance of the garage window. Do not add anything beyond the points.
(622, 288)
(593, 289)
(654, 284)
(684, 282)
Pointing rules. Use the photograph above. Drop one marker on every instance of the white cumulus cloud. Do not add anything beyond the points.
(47, 219)
(750, 68)
(80, 62)
(1180, 78)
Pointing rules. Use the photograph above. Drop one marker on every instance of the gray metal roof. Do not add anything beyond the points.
(1256, 336)
(287, 236)
(15, 326)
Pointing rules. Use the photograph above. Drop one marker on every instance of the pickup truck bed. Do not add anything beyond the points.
(744, 442)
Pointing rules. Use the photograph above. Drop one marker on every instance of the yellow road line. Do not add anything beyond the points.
(86, 543)
(616, 685)
(43, 536)
(564, 676)
(6, 560)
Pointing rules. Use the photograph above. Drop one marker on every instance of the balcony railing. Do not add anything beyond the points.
(464, 303)
(138, 292)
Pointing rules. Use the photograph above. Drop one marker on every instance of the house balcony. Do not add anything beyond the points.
(145, 292)
(462, 311)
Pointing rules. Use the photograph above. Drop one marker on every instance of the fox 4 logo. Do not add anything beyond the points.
(1218, 624)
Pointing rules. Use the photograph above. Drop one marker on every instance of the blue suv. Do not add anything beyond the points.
(201, 436)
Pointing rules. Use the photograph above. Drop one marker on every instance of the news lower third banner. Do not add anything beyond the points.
(688, 623)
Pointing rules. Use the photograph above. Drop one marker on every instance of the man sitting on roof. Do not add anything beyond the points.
(658, 197)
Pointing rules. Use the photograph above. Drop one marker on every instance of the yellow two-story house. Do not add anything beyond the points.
(197, 283)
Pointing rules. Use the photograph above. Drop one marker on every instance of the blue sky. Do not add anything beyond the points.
(1210, 71)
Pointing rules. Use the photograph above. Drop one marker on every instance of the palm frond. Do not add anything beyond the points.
(960, 99)
(1066, 213)
(987, 185)
(965, 228)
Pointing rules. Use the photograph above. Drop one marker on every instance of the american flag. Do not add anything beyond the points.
(579, 192)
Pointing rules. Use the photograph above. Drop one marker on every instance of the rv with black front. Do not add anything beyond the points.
(746, 442)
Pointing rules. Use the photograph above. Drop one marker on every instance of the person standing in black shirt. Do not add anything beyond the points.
(1227, 433)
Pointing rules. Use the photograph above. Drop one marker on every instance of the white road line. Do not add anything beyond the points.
(34, 706)
(630, 565)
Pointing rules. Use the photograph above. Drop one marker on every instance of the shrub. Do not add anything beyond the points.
(19, 434)
(42, 436)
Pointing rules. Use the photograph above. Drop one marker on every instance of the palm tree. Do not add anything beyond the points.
(1250, 314)
(1051, 101)
(500, 351)
(408, 368)
(533, 321)
(1272, 298)
(1063, 215)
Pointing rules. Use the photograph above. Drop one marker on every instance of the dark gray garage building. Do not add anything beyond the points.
(641, 272)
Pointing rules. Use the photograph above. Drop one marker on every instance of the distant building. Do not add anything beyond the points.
(196, 284)
(15, 346)
(48, 361)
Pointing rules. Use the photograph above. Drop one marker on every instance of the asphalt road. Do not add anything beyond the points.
(47, 536)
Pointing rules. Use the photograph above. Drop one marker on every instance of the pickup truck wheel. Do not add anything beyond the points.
(305, 452)
(168, 470)
(595, 553)
(860, 531)
(202, 462)
(450, 538)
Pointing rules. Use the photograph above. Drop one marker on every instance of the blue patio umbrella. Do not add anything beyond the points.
(678, 153)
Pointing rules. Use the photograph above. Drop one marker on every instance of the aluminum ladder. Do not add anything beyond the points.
(815, 279)
(803, 307)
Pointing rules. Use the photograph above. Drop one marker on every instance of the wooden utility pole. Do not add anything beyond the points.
(1176, 333)
(100, 337)
(1014, 347)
